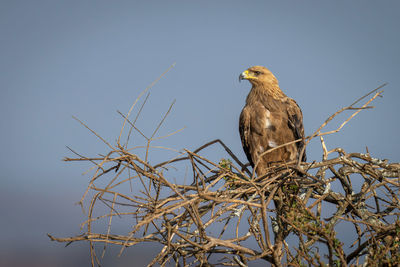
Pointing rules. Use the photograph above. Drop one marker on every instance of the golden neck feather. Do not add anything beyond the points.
(270, 90)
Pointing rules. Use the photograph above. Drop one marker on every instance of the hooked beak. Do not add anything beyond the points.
(243, 75)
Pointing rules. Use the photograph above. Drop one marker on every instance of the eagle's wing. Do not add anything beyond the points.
(244, 130)
(295, 122)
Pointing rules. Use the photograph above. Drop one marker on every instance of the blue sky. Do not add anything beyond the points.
(90, 59)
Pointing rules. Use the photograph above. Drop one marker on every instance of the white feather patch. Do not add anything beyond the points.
(272, 144)
(267, 121)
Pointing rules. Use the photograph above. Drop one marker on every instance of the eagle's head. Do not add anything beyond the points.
(258, 75)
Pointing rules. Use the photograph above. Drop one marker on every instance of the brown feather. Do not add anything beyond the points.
(269, 119)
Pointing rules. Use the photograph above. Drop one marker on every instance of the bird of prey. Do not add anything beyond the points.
(269, 119)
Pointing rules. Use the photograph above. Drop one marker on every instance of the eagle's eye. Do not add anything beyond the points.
(257, 72)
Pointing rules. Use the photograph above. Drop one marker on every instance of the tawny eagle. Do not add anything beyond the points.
(269, 119)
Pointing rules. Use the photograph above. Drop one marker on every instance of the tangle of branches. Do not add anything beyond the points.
(221, 213)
